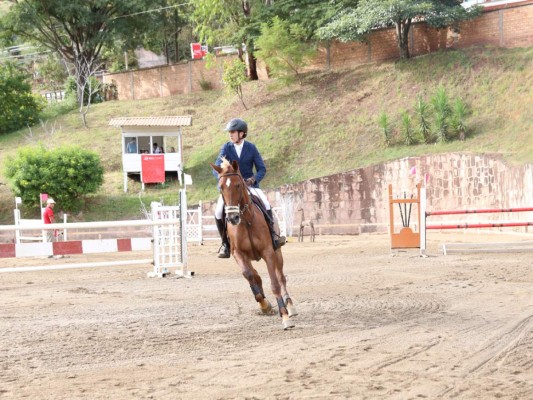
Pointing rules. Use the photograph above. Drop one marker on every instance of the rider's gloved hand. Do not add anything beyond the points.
(250, 181)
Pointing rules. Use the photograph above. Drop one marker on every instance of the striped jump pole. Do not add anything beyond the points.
(168, 242)
(425, 214)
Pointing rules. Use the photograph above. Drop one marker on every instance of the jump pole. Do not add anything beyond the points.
(82, 225)
(425, 214)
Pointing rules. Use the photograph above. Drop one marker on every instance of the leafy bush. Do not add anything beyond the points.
(205, 84)
(283, 47)
(422, 111)
(384, 124)
(18, 106)
(407, 130)
(441, 107)
(458, 118)
(67, 174)
(436, 120)
(234, 76)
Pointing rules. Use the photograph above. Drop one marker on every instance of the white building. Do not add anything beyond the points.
(143, 136)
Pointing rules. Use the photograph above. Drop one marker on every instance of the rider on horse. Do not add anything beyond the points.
(248, 157)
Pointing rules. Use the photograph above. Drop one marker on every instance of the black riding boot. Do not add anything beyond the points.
(223, 252)
(277, 240)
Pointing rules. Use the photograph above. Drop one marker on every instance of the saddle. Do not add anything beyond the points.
(257, 201)
(269, 218)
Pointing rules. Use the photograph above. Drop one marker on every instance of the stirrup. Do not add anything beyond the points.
(223, 252)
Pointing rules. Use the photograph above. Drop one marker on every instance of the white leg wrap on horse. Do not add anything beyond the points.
(287, 322)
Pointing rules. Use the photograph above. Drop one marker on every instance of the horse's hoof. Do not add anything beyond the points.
(291, 310)
(287, 322)
(265, 306)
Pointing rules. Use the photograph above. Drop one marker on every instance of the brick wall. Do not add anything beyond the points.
(510, 26)
(166, 80)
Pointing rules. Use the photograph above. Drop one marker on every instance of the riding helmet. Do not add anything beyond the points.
(237, 124)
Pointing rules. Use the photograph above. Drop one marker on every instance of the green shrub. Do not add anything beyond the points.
(422, 111)
(458, 118)
(407, 130)
(283, 47)
(384, 124)
(441, 107)
(18, 106)
(205, 84)
(234, 76)
(67, 174)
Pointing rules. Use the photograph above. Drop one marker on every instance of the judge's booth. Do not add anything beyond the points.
(151, 146)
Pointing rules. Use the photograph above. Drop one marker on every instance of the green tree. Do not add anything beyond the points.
(76, 29)
(230, 22)
(234, 76)
(67, 174)
(53, 72)
(283, 48)
(310, 15)
(18, 106)
(356, 23)
(163, 32)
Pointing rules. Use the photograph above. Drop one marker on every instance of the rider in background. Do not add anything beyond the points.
(248, 157)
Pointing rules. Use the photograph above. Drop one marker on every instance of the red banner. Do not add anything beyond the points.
(153, 168)
(198, 51)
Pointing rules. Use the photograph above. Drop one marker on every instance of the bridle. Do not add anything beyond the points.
(237, 208)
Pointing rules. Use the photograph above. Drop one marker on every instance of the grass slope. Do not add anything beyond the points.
(325, 126)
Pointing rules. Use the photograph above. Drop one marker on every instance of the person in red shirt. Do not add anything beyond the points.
(48, 218)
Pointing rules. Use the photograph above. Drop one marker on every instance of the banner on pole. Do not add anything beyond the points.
(198, 51)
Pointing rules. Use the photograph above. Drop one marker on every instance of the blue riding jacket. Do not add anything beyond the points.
(250, 158)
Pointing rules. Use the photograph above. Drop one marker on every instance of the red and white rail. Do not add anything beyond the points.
(465, 225)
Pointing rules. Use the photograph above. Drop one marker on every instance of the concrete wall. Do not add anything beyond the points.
(357, 201)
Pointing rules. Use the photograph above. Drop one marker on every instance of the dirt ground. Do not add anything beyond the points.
(371, 325)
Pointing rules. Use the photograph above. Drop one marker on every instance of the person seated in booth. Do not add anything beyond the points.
(157, 149)
(131, 147)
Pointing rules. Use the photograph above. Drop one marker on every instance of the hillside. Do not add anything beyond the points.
(327, 125)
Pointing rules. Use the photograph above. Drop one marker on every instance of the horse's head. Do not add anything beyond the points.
(233, 190)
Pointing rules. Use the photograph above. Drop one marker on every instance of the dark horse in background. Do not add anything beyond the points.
(250, 239)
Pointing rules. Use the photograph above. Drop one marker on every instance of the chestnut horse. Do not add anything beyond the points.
(250, 239)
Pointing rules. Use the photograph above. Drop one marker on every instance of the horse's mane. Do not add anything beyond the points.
(226, 166)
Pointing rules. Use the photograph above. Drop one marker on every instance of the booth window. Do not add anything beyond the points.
(131, 145)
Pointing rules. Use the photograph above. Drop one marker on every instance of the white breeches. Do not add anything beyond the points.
(219, 210)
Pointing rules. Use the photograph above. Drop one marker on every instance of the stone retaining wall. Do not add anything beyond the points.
(357, 201)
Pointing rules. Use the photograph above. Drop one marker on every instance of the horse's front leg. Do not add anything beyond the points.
(275, 284)
(256, 284)
(291, 309)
